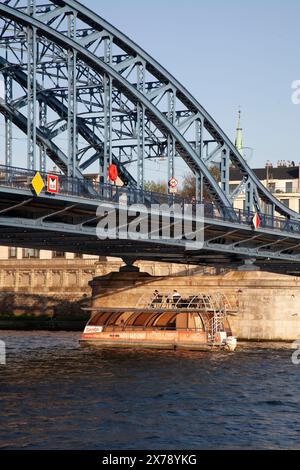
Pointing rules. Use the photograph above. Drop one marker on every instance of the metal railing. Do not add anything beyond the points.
(19, 178)
(280, 190)
(203, 302)
(284, 190)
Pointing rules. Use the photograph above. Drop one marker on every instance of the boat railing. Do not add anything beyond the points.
(205, 302)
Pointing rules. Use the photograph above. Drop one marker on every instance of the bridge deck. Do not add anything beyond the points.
(67, 222)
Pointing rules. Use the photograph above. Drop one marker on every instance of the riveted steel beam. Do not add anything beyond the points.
(8, 122)
(31, 88)
(182, 146)
(94, 21)
(93, 31)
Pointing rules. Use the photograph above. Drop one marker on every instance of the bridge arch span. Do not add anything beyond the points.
(158, 99)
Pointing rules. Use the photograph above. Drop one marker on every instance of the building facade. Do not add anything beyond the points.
(12, 253)
(283, 181)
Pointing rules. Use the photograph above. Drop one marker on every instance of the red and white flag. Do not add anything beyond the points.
(256, 222)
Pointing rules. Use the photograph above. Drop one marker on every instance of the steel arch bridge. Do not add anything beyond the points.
(71, 76)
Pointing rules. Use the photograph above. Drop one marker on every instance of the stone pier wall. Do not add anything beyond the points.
(268, 305)
(51, 288)
(60, 287)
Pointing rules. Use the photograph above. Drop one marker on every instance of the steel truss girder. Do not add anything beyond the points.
(254, 247)
(67, 233)
(50, 100)
(72, 100)
(134, 95)
(97, 28)
(97, 23)
(8, 84)
(43, 95)
(58, 157)
(42, 127)
(31, 89)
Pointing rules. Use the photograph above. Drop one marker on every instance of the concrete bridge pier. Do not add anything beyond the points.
(267, 305)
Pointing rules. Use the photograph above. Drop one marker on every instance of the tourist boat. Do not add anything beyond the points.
(198, 322)
(231, 343)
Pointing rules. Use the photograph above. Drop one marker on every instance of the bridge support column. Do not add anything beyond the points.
(42, 125)
(249, 201)
(249, 265)
(140, 129)
(225, 168)
(31, 89)
(199, 150)
(171, 145)
(129, 268)
(72, 101)
(8, 123)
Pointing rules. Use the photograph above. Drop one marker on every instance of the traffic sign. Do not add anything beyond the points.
(52, 184)
(173, 190)
(37, 183)
(173, 183)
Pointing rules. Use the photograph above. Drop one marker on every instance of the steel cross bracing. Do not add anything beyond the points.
(60, 108)
(111, 102)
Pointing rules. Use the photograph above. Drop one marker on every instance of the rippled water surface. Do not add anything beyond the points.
(56, 395)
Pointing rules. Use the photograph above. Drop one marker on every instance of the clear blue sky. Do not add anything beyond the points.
(227, 53)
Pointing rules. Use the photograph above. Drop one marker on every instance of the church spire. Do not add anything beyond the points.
(239, 135)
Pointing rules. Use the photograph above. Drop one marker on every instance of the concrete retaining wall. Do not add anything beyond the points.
(58, 288)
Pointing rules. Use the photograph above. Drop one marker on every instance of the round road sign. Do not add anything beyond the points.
(173, 183)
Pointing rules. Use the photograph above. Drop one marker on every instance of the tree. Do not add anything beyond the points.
(156, 187)
(189, 184)
(188, 190)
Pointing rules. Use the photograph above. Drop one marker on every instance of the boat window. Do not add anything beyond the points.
(122, 319)
(142, 319)
(99, 319)
(165, 320)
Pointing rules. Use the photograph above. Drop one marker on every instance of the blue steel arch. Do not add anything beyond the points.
(137, 56)
(55, 153)
(20, 121)
(132, 93)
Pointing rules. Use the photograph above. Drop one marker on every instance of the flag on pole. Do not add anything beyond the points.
(256, 222)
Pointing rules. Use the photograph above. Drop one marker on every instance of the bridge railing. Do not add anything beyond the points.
(246, 217)
(20, 178)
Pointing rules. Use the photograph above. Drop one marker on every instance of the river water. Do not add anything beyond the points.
(56, 395)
